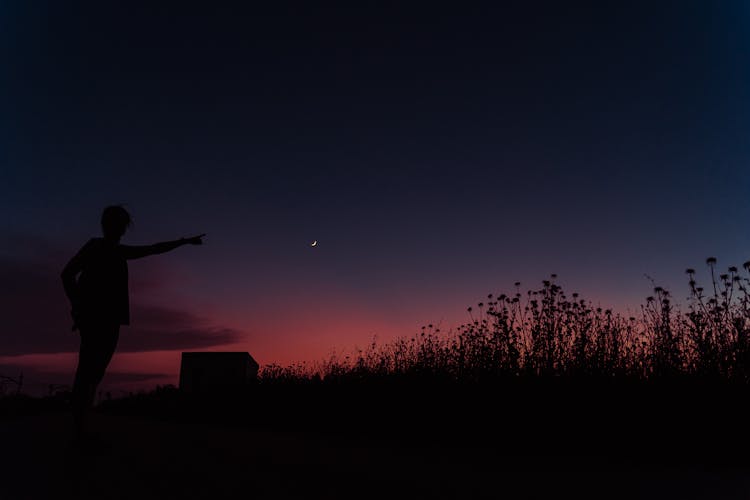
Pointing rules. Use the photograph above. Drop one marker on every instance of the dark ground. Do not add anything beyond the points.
(301, 444)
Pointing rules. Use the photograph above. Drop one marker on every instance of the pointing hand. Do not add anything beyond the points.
(195, 240)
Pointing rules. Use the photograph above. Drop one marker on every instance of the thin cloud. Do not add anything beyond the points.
(36, 316)
(160, 328)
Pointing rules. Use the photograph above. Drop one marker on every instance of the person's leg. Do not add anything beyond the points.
(82, 385)
(98, 343)
(105, 349)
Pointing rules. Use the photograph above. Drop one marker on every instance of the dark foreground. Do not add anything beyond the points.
(297, 446)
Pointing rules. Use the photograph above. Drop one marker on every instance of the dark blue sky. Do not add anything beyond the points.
(438, 153)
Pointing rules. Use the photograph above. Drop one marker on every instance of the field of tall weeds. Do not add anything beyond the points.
(548, 333)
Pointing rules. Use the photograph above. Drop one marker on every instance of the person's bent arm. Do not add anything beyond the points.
(136, 252)
(70, 273)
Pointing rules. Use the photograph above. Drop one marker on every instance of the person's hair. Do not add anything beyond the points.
(115, 220)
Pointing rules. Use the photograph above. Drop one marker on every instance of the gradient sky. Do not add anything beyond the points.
(436, 153)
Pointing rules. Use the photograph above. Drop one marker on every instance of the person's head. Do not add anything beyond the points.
(115, 221)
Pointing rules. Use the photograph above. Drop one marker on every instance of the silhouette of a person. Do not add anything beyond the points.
(96, 283)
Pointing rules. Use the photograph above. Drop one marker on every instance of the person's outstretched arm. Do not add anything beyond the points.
(136, 252)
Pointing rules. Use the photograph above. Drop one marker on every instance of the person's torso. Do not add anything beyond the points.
(103, 282)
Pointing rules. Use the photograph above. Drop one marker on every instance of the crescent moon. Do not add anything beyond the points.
(314, 243)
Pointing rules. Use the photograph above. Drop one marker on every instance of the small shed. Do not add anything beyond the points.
(214, 372)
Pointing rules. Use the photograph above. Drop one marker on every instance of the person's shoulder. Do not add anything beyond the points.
(92, 245)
